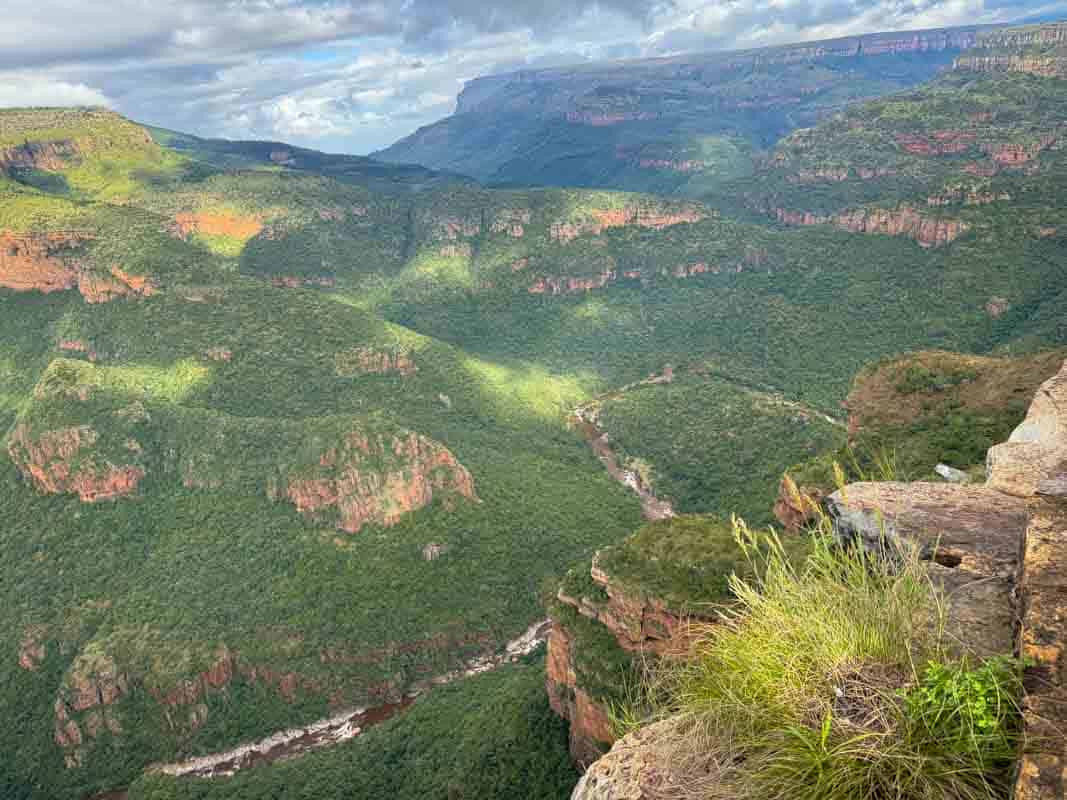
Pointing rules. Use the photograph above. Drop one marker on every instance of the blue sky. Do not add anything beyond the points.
(355, 75)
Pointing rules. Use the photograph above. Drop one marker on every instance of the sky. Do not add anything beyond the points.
(356, 75)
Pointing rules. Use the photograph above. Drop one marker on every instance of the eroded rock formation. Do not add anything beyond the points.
(642, 624)
(370, 361)
(374, 479)
(904, 221)
(65, 461)
(52, 262)
(639, 216)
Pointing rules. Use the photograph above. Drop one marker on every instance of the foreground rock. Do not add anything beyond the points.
(998, 551)
(971, 536)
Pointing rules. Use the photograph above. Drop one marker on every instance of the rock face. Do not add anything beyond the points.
(905, 221)
(620, 615)
(366, 479)
(970, 533)
(649, 764)
(658, 102)
(370, 361)
(1034, 460)
(50, 262)
(591, 729)
(50, 156)
(639, 216)
(64, 462)
(1043, 638)
(39, 262)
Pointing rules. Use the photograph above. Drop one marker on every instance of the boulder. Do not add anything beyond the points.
(1034, 459)
(654, 763)
(970, 534)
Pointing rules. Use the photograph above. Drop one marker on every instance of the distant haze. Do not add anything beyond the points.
(356, 76)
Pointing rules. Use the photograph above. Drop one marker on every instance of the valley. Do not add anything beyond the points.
(291, 439)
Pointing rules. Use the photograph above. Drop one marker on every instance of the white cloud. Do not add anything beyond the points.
(358, 74)
(34, 91)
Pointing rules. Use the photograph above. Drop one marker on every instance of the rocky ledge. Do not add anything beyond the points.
(998, 552)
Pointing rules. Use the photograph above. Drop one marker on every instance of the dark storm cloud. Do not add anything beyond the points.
(357, 74)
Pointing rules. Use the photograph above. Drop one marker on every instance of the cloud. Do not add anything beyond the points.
(355, 75)
(33, 91)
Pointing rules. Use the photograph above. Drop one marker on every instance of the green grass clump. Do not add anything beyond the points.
(813, 688)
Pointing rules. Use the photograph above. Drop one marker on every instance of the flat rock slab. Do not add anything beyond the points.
(973, 536)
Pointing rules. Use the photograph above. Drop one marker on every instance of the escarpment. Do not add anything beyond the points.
(64, 461)
(347, 486)
(905, 221)
(355, 474)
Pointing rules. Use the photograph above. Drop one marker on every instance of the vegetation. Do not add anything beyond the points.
(290, 299)
(813, 688)
(492, 736)
(639, 126)
(690, 433)
(929, 408)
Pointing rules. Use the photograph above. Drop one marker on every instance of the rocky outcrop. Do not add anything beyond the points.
(48, 156)
(83, 707)
(39, 262)
(102, 288)
(971, 534)
(795, 507)
(961, 196)
(841, 174)
(653, 763)
(1034, 460)
(938, 143)
(904, 221)
(603, 119)
(1014, 154)
(374, 479)
(640, 216)
(616, 617)
(64, 461)
(996, 550)
(52, 262)
(1044, 66)
(1043, 640)
(591, 728)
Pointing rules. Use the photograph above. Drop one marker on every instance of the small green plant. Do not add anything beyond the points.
(970, 711)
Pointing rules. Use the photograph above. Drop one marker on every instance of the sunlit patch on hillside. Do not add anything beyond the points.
(172, 383)
(517, 391)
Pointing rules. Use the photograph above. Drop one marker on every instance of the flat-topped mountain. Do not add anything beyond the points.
(683, 123)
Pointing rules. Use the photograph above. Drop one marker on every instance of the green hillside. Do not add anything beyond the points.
(285, 433)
